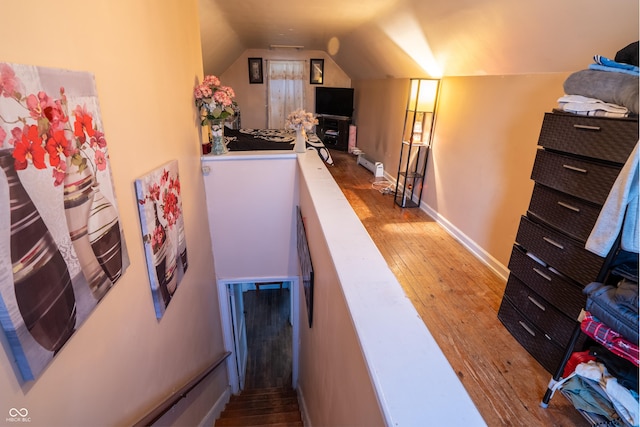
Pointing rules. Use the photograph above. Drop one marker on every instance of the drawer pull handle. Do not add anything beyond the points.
(526, 328)
(585, 127)
(568, 206)
(575, 169)
(536, 303)
(544, 276)
(553, 242)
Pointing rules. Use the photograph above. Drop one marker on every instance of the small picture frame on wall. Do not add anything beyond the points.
(255, 71)
(316, 71)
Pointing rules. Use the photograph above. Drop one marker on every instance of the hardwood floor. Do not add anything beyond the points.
(269, 353)
(458, 298)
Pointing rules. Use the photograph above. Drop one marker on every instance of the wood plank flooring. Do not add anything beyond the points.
(458, 298)
(269, 353)
(276, 407)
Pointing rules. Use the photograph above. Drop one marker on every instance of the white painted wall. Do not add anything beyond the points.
(251, 203)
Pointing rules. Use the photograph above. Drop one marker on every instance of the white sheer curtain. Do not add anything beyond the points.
(286, 90)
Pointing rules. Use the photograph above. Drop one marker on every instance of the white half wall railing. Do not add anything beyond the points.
(368, 358)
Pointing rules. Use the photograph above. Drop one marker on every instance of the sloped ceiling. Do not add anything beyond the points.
(413, 38)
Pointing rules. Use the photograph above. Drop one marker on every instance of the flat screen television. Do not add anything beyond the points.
(334, 101)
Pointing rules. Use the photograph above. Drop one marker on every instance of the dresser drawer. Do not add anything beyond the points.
(540, 312)
(580, 178)
(548, 354)
(565, 296)
(568, 214)
(559, 251)
(596, 137)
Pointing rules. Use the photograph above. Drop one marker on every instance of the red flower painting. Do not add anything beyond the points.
(46, 136)
(162, 222)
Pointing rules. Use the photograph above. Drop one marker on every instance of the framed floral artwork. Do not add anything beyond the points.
(61, 243)
(162, 223)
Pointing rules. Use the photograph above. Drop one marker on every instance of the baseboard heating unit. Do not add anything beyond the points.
(375, 168)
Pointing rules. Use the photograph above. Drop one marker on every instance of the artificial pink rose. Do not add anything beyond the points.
(211, 80)
(206, 91)
(222, 98)
(229, 91)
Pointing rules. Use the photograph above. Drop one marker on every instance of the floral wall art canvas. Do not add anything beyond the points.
(61, 242)
(162, 223)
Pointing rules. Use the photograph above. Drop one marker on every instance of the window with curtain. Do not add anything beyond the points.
(286, 81)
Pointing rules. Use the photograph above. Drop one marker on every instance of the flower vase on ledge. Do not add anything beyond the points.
(217, 137)
(301, 143)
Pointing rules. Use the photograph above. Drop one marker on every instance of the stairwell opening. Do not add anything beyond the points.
(259, 321)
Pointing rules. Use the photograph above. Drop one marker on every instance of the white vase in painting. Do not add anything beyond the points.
(78, 198)
(104, 235)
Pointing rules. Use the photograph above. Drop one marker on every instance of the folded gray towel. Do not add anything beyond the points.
(616, 88)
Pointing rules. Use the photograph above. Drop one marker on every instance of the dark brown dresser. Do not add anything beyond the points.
(577, 162)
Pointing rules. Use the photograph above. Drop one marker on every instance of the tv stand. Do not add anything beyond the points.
(334, 131)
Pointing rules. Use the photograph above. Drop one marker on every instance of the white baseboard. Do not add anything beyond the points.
(306, 422)
(468, 243)
(216, 410)
(477, 251)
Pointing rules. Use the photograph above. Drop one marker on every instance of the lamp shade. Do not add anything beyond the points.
(423, 95)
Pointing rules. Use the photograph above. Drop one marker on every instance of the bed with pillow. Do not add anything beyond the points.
(272, 139)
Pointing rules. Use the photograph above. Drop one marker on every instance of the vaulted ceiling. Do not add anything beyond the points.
(414, 38)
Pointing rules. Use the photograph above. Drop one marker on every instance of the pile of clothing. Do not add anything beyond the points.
(603, 380)
(608, 88)
(593, 389)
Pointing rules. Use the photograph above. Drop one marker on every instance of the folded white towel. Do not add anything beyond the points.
(583, 103)
(570, 108)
